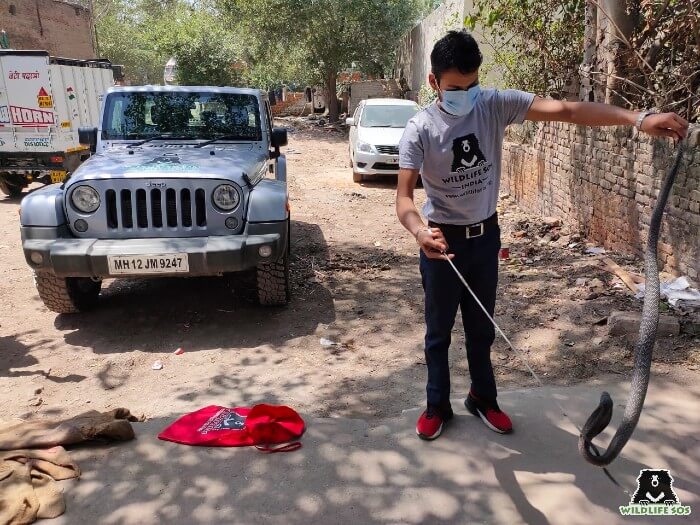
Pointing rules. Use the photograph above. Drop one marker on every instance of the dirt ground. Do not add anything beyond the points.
(355, 282)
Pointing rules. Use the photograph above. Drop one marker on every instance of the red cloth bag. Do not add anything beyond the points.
(270, 428)
(274, 428)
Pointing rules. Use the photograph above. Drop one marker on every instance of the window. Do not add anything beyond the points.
(268, 113)
(205, 115)
(387, 116)
(13, 9)
(356, 115)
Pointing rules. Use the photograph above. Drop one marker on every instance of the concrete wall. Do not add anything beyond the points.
(413, 55)
(606, 181)
(61, 28)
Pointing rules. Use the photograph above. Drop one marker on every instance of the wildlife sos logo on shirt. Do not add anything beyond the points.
(466, 153)
(469, 174)
(655, 496)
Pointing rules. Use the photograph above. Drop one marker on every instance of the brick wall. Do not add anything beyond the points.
(605, 181)
(61, 28)
(294, 105)
(385, 88)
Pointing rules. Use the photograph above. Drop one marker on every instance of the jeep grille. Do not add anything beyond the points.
(155, 207)
(160, 207)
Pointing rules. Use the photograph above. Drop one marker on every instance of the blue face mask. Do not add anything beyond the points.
(460, 103)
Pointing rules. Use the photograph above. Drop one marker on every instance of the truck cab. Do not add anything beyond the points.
(44, 100)
(184, 181)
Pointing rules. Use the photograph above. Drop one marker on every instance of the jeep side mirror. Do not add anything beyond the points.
(88, 137)
(279, 137)
(349, 121)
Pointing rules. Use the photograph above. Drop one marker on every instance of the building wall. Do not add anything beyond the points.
(61, 28)
(372, 89)
(605, 182)
(413, 56)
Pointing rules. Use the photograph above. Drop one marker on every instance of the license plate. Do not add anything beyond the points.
(393, 161)
(57, 176)
(147, 264)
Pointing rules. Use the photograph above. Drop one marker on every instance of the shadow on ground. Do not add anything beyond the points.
(209, 312)
(349, 471)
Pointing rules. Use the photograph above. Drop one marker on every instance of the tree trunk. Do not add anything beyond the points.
(619, 27)
(588, 90)
(332, 96)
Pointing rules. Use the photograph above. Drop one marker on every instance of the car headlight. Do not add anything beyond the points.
(85, 199)
(365, 147)
(226, 197)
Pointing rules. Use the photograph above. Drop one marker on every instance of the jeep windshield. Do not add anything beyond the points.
(181, 115)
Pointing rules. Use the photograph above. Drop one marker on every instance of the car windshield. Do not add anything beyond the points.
(387, 116)
(192, 115)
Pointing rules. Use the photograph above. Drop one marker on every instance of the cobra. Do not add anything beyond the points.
(600, 418)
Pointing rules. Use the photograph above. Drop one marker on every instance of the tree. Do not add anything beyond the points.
(206, 50)
(124, 36)
(537, 44)
(318, 38)
(144, 34)
(636, 53)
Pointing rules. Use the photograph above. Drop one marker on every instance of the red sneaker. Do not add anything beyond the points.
(432, 421)
(489, 412)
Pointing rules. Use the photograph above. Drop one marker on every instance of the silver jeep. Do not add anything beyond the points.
(185, 181)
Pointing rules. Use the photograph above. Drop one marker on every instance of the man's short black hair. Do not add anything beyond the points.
(456, 50)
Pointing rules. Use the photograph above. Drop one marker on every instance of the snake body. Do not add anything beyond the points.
(599, 419)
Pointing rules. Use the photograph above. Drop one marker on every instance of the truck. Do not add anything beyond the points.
(185, 181)
(44, 100)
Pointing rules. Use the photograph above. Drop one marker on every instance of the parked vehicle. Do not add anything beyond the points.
(376, 128)
(186, 181)
(43, 102)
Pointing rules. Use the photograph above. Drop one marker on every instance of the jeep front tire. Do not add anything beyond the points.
(272, 281)
(67, 295)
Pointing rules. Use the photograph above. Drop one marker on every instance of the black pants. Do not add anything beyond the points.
(477, 260)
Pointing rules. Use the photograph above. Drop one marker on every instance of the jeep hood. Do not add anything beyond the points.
(173, 163)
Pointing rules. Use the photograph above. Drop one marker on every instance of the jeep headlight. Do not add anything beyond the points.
(364, 147)
(85, 199)
(226, 197)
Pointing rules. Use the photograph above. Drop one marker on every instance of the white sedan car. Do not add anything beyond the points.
(375, 130)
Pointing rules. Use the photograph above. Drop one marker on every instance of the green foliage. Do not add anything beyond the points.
(124, 36)
(205, 50)
(303, 40)
(262, 43)
(426, 95)
(536, 44)
(665, 57)
(144, 34)
(428, 6)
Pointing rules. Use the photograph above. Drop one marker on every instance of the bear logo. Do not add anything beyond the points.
(654, 487)
(232, 421)
(466, 153)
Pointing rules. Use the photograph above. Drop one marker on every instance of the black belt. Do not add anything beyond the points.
(468, 231)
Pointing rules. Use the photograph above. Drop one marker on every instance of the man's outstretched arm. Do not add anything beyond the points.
(597, 114)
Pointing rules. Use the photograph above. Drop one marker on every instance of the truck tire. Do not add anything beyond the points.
(9, 188)
(67, 295)
(272, 281)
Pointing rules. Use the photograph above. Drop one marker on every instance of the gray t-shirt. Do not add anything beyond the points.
(460, 157)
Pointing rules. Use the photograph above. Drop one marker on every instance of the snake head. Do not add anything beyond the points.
(595, 424)
(600, 418)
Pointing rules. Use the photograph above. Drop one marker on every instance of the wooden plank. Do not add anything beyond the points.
(628, 278)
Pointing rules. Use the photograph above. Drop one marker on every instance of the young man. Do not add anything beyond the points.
(456, 144)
